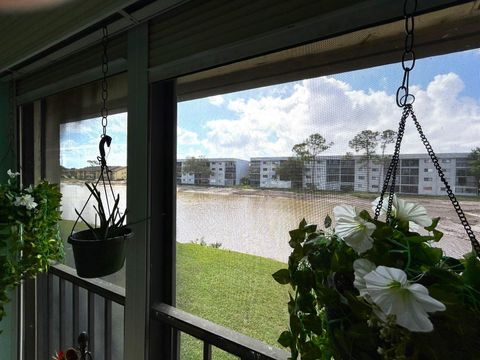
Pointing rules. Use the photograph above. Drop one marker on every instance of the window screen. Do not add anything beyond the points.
(294, 150)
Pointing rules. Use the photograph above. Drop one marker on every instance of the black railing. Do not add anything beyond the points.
(77, 304)
(246, 348)
(92, 305)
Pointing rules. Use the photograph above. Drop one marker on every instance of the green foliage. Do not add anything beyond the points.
(474, 170)
(291, 170)
(309, 149)
(111, 224)
(29, 236)
(199, 167)
(328, 319)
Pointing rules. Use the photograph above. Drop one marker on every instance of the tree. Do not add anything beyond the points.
(386, 137)
(93, 163)
(308, 150)
(474, 170)
(199, 167)
(291, 170)
(366, 141)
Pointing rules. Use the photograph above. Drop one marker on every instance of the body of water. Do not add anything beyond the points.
(258, 222)
(252, 224)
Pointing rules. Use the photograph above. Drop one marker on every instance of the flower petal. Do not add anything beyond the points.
(361, 268)
(344, 211)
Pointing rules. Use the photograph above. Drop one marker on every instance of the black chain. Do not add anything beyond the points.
(408, 58)
(405, 100)
(451, 195)
(104, 80)
(393, 168)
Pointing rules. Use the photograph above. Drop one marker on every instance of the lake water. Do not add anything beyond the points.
(257, 222)
(253, 224)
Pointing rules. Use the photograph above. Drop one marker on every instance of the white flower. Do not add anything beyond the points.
(12, 175)
(390, 290)
(354, 230)
(361, 268)
(26, 200)
(402, 210)
(29, 189)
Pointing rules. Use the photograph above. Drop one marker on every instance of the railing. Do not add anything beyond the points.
(92, 305)
(77, 304)
(246, 348)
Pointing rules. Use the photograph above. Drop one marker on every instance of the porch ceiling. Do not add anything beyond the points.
(28, 33)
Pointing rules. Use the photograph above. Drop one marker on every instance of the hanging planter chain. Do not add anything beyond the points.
(104, 138)
(104, 80)
(405, 100)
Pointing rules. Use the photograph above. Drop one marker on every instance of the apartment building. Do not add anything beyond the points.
(416, 174)
(263, 173)
(222, 172)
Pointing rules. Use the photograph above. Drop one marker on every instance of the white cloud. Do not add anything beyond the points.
(186, 137)
(271, 125)
(216, 100)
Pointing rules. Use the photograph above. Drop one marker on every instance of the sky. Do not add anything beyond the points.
(268, 121)
(79, 141)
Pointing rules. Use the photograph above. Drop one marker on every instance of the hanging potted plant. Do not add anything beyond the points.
(100, 251)
(29, 232)
(371, 289)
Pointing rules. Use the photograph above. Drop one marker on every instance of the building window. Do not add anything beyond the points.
(375, 170)
(428, 179)
(427, 188)
(361, 177)
(409, 162)
(428, 170)
(264, 176)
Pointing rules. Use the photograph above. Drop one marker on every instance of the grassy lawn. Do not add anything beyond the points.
(231, 289)
(228, 288)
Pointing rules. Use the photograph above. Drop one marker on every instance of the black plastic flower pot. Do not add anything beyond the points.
(97, 258)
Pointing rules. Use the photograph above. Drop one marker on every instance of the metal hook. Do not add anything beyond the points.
(101, 147)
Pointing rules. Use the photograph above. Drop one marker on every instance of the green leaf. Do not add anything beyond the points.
(365, 215)
(311, 228)
(302, 224)
(437, 234)
(285, 339)
(433, 224)
(471, 275)
(327, 222)
(282, 276)
(313, 323)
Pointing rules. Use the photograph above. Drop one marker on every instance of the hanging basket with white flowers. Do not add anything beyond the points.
(29, 232)
(371, 289)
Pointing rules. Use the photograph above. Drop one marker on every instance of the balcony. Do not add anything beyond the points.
(76, 305)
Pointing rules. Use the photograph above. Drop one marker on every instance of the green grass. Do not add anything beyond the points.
(231, 289)
(228, 288)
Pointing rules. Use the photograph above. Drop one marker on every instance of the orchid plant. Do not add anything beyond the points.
(29, 232)
(371, 289)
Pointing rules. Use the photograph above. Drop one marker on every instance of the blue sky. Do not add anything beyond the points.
(448, 96)
(269, 121)
(79, 141)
